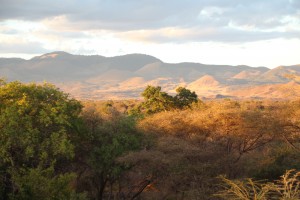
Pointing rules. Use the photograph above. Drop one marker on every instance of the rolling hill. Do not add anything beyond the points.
(99, 77)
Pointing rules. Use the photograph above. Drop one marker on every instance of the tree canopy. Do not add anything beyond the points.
(185, 97)
(155, 100)
(36, 126)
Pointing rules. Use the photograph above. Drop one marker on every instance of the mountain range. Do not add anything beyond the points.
(123, 77)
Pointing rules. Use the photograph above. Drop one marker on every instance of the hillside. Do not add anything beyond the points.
(276, 91)
(99, 77)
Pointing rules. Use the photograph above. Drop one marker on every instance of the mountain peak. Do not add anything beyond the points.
(138, 57)
(125, 76)
(204, 81)
(207, 80)
(52, 55)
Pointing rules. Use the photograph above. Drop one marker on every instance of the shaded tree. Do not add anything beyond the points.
(104, 140)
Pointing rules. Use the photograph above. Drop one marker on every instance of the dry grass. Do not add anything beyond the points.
(287, 188)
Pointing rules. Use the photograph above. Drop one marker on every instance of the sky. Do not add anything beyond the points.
(233, 32)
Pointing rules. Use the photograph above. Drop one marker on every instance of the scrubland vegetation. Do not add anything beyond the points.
(165, 147)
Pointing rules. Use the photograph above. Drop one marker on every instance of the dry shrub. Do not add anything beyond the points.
(287, 188)
(223, 137)
(196, 145)
(226, 130)
(179, 168)
(225, 123)
(182, 124)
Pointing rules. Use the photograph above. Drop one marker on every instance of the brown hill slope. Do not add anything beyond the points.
(99, 77)
(277, 91)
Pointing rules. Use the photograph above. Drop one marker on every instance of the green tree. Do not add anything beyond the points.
(104, 141)
(156, 101)
(184, 97)
(36, 126)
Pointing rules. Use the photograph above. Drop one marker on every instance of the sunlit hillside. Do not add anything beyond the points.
(125, 77)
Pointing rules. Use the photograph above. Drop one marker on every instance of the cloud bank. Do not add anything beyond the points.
(53, 24)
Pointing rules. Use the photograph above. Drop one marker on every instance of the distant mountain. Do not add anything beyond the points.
(99, 77)
(206, 81)
(248, 75)
(277, 75)
(276, 91)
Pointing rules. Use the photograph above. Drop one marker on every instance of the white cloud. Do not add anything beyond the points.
(211, 12)
(171, 29)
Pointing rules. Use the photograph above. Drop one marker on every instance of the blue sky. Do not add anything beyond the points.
(255, 33)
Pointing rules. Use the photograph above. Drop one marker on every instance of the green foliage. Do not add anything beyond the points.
(37, 183)
(185, 98)
(113, 139)
(105, 140)
(36, 126)
(156, 101)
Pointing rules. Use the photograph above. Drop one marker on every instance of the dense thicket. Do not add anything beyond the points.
(36, 126)
(166, 147)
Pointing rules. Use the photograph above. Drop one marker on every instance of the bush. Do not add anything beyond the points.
(287, 188)
(37, 123)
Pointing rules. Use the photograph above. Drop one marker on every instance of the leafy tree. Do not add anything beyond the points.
(103, 142)
(36, 126)
(184, 97)
(156, 101)
(37, 183)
